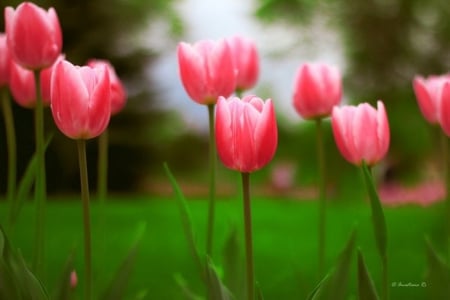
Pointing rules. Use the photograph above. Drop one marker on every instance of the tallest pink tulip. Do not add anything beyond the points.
(33, 35)
(207, 70)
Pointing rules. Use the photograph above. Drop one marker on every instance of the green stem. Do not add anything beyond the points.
(86, 217)
(102, 177)
(385, 283)
(248, 236)
(12, 154)
(40, 183)
(446, 165)
(212, 182)
(322, 196)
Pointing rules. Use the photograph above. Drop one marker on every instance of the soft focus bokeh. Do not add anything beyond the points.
(379, 46)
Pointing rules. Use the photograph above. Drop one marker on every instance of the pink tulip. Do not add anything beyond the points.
(80, 99)
(246, 132)
(317, 88)
(444, 111)
(361, 132)
(246, 61)
(118, 94)
(34, 35)
(5, 61)
(207, 70)
(428, 93)
(22, 85)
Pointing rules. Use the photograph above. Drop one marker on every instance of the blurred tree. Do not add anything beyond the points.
(387, 43)
(105, 29)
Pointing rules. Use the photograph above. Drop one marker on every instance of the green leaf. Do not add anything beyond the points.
(334, 285)
(379, 223)
(366, 288)
(187, 292)
(64, 290)
(117, 287)
(186, 220)
(25, 184)
(438, 275)
(233, 265)
(217, 290)
(259, 294)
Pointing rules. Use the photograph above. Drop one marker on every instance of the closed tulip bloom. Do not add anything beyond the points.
(428, 93)
(444, 111)
(317, 88)
(22, 86)
(207, 70)
(80, 100)
(33, 34)
(246, 61)
(118, 93)
(45, 80)
(5, 61)
(361, 132)
(246, 132)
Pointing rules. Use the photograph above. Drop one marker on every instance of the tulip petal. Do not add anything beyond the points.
(426, 104)
(445, 109)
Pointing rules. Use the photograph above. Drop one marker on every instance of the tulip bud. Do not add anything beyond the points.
(361, 132)
(246, 61)
(22, 86)
(317, 88)
(80, 99)
(246, 132)
(33, 35)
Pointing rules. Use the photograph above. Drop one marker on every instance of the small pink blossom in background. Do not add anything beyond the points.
(361, 132)
(22, 85)
(118, 93)
(246, 60)
(423, 194)
(5, 61)
(282, 176)
(73, 279)
(428, 93)
(317, 88)
(34, 35)
(207, 70)
(80, 99)
(246, 132)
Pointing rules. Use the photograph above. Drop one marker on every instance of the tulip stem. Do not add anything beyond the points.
(12, 154)
(212, 182)
(86, 217)
(102, 175)
(40, 183)
(248, 236)
(322, 195)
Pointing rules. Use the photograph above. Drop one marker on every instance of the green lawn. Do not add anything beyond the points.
(284, 242)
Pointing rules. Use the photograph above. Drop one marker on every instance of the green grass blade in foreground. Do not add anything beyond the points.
(217, 290)
(25, 184)
(259, 293)
(64, 290)
(16, 280)
(379, 222)
(233, 264)
(186, 220)
(438, 275)
(334, 284)
(187, 292)
(366, 289)
(117, 286)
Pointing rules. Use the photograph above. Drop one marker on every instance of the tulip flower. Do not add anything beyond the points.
(429, 93)
(45, 80)
(246, 132)
(5, 61)
(317, 88)
(118, 93)
(246, 61)
(33, 35)
(80, 100)
(361, 132)
(207, 70)
(22, 85)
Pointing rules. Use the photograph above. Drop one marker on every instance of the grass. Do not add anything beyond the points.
(285, 241)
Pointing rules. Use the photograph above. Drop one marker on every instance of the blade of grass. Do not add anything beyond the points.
(366, 288)
(216, 288)
(438, 275)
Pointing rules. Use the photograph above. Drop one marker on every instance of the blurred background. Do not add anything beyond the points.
(379, 45)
